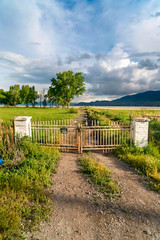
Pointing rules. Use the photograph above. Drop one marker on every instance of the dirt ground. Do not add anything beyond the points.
(82, 213)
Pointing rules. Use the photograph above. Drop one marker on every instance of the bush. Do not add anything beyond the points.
(24, 192)
(72, 110)
(154, 125)
(145, 160)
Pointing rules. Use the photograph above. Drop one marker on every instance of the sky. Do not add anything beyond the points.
(115, 44)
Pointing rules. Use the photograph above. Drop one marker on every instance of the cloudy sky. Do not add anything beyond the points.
(116, 44)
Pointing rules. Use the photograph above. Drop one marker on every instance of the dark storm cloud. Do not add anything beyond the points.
(84, 56)
(25, 70)
(99, 56)
(148, 64)
(109, 83)
(144, 54)
(156, 15)
(36, 73)
(122, 81)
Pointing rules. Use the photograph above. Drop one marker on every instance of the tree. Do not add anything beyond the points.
(45, 100)
(33, 96)
(13, 95)
(41, 97)
(25, 94)
(65, 88)
(3, 97)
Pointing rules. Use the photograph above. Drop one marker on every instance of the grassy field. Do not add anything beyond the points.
(120, 115)
(125, 116)
(38, 114)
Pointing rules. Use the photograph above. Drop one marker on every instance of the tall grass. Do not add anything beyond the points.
(145, 160)
(124, 116)
(100, 175)
(154, 131)
(24, 189)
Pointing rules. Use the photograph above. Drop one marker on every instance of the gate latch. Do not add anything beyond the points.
(64, 130)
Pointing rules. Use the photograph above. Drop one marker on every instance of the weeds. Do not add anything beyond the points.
(145, 160)
(100, 175)
(72, 110)
(154, 131)
(24, 189)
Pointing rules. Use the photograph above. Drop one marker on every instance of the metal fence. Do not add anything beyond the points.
(68, 135)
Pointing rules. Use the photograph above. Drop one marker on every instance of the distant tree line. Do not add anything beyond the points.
(15, 95)
(63, 89)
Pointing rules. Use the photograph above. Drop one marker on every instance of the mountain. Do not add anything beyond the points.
(149, 98)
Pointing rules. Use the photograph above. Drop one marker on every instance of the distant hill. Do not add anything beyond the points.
(149, 98)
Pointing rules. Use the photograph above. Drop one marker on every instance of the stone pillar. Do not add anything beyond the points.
(22, 126)
(139, 132)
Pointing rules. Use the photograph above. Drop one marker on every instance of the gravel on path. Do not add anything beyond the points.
(82, 213)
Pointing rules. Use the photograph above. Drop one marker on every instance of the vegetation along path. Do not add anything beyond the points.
(82, 213)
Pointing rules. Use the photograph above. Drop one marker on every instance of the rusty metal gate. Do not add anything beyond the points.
(71, 136)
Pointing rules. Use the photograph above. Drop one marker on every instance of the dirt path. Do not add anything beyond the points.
(84, 214)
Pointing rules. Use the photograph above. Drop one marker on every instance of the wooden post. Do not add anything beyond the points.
(81, 144)
(79, 130)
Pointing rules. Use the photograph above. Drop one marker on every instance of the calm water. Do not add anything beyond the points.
(127, 107)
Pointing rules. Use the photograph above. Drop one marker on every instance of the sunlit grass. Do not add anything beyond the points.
(38, 114)
(124, 116)
(145, 160)
(100, 175)
(24, 189)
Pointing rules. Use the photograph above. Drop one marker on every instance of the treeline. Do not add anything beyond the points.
(16, 95)
(63, 89)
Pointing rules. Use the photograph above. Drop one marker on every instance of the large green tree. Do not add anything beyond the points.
(65, 88)
(13, 95)
(25, 94)
(33, 96)
(28, 95)
(3, 97)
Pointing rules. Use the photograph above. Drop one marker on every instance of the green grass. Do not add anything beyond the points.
(100, 175)
(25, 179)
(38, 114)
(154, 131)
(124, 116)
(145, 160)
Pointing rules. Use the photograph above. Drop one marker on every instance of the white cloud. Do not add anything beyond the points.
(115, 47)
(145, 36)
(117, 75)
(115, 59)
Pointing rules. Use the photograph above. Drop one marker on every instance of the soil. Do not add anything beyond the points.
(82, 213)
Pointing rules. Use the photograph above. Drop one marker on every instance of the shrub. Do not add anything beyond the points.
(72, 110)
(145, 160)
(24, 193)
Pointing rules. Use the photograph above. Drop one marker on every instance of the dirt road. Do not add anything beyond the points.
(81, 213)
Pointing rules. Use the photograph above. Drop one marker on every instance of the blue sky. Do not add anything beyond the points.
(116, 44)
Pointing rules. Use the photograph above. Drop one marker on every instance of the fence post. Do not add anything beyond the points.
(22, 126)
(139, 132)
(79, 132)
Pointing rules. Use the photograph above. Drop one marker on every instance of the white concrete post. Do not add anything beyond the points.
(22, 126)
(139, 132)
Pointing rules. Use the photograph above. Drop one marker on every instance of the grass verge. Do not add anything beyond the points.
(100, 175)
(24, 189)
(146, 161)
